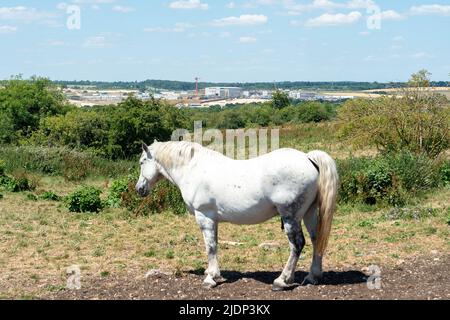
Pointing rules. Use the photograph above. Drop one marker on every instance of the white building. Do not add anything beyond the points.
(223, 92)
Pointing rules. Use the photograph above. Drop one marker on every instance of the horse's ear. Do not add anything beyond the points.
(145, 148)
(155, 141)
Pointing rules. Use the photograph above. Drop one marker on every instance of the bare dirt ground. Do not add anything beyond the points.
(417, 278)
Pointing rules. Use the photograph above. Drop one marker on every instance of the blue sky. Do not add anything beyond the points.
(241, 40)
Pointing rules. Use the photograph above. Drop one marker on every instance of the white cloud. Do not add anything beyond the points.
(247, 40)
(243, 20)
(388, 15)
(437, 9)
(188, 4)
(178, 27)
(422, 55)
(95, 2)
(7, 29)
(123, 9)
(24, 14)
(360, 4)
(328, 19)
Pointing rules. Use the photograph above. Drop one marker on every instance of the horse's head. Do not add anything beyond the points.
(149, 172)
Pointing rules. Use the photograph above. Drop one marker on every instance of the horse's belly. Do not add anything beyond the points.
(251, 215)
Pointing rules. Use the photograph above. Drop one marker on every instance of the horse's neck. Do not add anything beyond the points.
(174, 175)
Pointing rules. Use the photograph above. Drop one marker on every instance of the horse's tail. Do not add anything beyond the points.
(326, 197)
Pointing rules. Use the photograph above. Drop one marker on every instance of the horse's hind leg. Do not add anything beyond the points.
(209, 228)
(311, 220)
(294, 232)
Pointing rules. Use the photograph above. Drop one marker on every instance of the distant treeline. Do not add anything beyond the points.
(184, 86)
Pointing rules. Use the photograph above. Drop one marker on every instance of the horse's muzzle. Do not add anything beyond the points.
(142, 189)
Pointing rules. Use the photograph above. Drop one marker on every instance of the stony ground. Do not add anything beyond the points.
(418, 278)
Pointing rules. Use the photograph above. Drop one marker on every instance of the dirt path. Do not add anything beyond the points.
(418, 278)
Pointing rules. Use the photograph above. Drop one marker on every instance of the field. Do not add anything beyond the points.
(122, 255)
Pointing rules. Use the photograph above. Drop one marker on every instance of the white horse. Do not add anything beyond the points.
(295, 185)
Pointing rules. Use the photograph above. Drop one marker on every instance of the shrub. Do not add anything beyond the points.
(76, 166)
(85, 199)
(116, 191)
(444, 173)
(50, 196)
(417, 120)
(31, 197)
(20, 181)
(392, 179)
(164, 197)
(2, 168)
(1, 196)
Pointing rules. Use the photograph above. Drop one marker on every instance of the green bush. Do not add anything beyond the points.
(117, 189)
(2, 168)
(444, 173)
(50, 196)
(392, 179)
(85, 199)
(18, 182)
(1, 196)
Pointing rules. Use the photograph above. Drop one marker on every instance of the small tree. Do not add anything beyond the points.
(280, 100)
(414, 119)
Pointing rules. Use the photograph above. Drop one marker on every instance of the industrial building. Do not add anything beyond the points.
(223, 92)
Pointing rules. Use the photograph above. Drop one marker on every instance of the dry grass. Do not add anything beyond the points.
(39, 240)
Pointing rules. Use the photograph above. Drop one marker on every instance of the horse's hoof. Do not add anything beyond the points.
(209, 283)
(280, 286)
(310, 280)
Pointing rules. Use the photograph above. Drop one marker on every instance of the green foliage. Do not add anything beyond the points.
(2, 168)
(164, 197)
(280, 100)
(31, 197)
(60, 161)
(112, 132)
(394, 179)
(117, 189)
(18, 182)
(444, 173)
(23, 103)
(85, 199)
(416, 120)
(50, 196)
(420, 79)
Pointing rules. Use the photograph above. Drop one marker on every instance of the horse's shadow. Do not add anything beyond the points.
(330, 278)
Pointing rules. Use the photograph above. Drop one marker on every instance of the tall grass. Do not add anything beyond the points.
(71, 164)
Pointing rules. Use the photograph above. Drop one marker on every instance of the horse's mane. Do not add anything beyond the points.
(175, 154)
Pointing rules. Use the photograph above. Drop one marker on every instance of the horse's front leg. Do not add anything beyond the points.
(209, 227)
